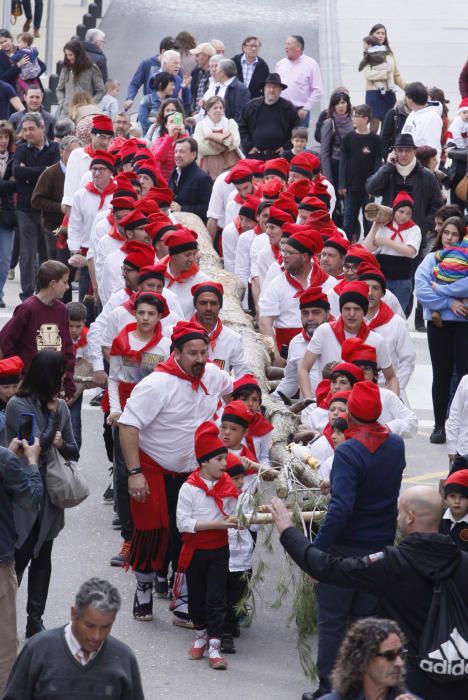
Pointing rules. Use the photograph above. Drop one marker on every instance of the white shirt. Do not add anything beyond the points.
(241, 547)
(448, 516)
(456, 427)
(105, 247)
(425, 126)
(289, 385)
(77, 652)
(194, 504)
(232, 208)
(400, 347)
(121, 369)
(278, 300)
(242, 262)
(77, 165)
(389, 298)
(111, 275)
(167, 411)
(321, 449)
(411, 236)
(262, 264)
(182, 290)
(223, 87)
(395, 415)
(84, 209)
(97, 328)
(229, 354)
(230, 239)
(219, 198)
(258, 244)
(325, 344)
(101, 226)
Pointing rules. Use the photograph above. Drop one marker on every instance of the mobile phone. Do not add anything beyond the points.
(26, 427)
(178, 119)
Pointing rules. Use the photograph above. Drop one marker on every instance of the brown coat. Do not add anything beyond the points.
(47, 196)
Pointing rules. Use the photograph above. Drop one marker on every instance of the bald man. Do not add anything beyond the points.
(402, 577)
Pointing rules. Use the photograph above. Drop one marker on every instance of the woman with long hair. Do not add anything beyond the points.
(442, 289)
(381, 79)
(7, 211)
(78, 74)
(38, 397)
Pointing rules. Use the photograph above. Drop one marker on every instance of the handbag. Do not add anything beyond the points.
(461, 190)
(65, 484)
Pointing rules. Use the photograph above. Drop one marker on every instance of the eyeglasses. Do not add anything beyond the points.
(251, 46)
(392, 654)
(287, 255)
(350, 268)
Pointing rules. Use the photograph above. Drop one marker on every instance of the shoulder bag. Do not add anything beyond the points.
(65, 484)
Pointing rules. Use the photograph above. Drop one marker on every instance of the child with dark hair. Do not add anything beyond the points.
(455, 519)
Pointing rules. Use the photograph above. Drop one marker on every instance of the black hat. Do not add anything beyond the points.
(274, 79)
(405, 140)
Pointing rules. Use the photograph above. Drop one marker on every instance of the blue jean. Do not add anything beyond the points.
(354, 203)
(6, 245)
(402, 289)
(75, 416)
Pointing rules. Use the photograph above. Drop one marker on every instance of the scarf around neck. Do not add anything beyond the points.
(101, 193)
(339, 330)
(172, 367)
(371, 435)
(405, 170)
(121, 343)
(383, 316)
(396, 230)
(223, 488)
(215, 333)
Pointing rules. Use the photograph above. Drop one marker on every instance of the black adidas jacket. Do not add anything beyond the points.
(402, 578)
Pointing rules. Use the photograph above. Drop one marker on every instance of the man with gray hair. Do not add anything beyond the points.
(31, 158)
(93, 44)
(80, 659)
(231, 89)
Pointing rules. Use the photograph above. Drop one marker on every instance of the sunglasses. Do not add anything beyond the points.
(392, 654)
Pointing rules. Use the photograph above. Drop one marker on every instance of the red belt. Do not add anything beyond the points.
(285, 335)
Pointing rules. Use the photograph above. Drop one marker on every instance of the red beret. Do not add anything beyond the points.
(105, 158)
(149, 169)
(354, 373)
(208, 286)
(364, 402)
(320, 221)
(188, 330)
(299, 189)
(290, 228)
(234, 466)
(239, 173)
(102, 125)
(119, 203)
(306, 164)
(159, 224)
(312, 203)
(124, 184)
(138, 254)
(148, 206)
(357, 293)
(313, 297)
(339, 396)
(141, 155)
(403, 199)
(356, 351)
(162, 303)
(246, 382)
(135, 219)
(115, 146)
(10, 370)
(272, 188)
(181, 240)
(208, 444)
(161, 194)
(371, 272)
(255, 166)
(357, 254)
(338, 242)
(249, 206)
(278, 217)
(152, 272)
(321, 393)
(457, 483)
(278, 167)
(320, 190)
(237, 412)
(306, 242)
(127, 151)
(286, 202)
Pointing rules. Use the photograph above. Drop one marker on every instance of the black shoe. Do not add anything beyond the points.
(108, 496)
(438, 436)
(96, 400)
(116, 524)
(2, 304)
(33, 627)
(161, 588)
(142, 612)
(227, 643)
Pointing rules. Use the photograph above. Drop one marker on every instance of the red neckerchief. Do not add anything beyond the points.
(260, 426)
(214, 334)
(182, 277)
(129, 292)
(338, 329)
(102, 193)
(129, 304)
(294, 283)
(275, 249)
(318, 276)
(306, 336)
(338, 288)
(257, 230)
(110, 218)
(383, 316)
(115, 233)
(327, 432)
(396, 231)
(171, 367)
(371, 435)
(121, 343)
(240, 200)
(89, 150)
(224, 488)
(82, 340)
(237, 224)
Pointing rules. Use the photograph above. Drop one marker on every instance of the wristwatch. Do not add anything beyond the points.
(135, 470)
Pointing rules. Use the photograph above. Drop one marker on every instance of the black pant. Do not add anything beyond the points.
(38, 8)
(236, 590)
(40, 569)
(355, 201)
(448, 347)
(206, 582)
(173, 484)
(121, 490)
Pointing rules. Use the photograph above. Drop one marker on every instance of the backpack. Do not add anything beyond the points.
(443, 646)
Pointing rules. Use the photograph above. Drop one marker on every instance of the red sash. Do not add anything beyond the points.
(383, 316)
(121, 343)
(101, 193)
(182, 277)
(371, 435)
(398, 229)
(214, 335)
(285, 335)
(338, 329)
(171, 367)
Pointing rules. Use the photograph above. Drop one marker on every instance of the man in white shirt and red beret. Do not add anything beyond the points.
(182, 271)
